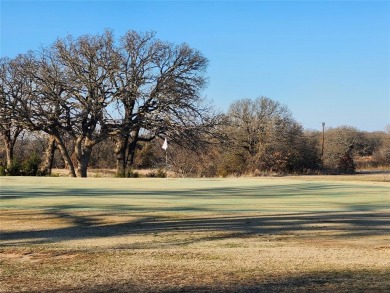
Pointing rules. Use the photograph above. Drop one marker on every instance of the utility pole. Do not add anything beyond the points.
(323, 144)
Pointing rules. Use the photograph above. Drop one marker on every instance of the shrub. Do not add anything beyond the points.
(120, 175)
(231, 164)
(30, 166)
(160, 173)
(129, 174)
(54, 175)
(14, 170)
(381, 156)
(346, 165)
(132, 174)
(3, 170)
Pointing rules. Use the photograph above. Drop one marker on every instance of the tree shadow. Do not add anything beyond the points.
(322, 281)
(338, 224)
(355, 219)
(289, 190)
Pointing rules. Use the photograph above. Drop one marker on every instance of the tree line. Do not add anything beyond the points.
(104, 102)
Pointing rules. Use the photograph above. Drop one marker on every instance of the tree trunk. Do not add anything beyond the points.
(131, 152)
(9, 149)
(120, 155)
(132, 146)
(83, 150)
(83, 162)
(65, 155)
(49, 157)
(10, 140)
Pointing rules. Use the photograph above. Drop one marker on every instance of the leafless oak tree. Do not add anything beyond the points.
(88, 62)
(11, 88)
(157, 93)
(68, 92)
(91, 88)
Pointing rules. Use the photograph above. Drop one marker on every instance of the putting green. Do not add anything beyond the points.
(193, 195)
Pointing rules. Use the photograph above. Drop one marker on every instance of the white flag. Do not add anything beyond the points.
(165, 145)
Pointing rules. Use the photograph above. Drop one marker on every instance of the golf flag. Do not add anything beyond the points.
(165, 145)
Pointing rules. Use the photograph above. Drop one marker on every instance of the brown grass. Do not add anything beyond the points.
(373, 174)
(78, 250)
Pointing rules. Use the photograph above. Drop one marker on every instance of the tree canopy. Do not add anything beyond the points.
(92, 88)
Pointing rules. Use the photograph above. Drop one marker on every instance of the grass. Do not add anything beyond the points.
(290, 234)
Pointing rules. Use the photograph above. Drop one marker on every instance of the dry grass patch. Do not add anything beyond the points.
(194, 236)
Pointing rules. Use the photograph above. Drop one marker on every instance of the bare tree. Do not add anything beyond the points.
(88, 63)
(264, 135)
(157, 94)
(344, 143)
(68, 94)
(88, 89)
(44, 106)
(11, 88)
(381, 154)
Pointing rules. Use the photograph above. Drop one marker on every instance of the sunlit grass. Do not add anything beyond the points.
(210, 235)
(192, 195)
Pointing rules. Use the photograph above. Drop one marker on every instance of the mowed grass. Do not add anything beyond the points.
(289, 234)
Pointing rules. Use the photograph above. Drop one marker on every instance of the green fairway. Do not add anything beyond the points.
(289, 234)
(192, 195)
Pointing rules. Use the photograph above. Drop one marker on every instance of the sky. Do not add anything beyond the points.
(327, 61)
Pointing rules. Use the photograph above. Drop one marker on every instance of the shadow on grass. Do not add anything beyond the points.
(356, 220)
(337, 224)
(274, 190)
(323, 281)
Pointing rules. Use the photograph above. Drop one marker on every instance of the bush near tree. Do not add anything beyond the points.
(346, 164)
(218, 158)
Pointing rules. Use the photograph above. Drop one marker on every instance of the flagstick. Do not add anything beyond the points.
(166, 166)
(165, 148)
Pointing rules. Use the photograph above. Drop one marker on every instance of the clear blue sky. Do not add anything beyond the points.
(326, 60)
